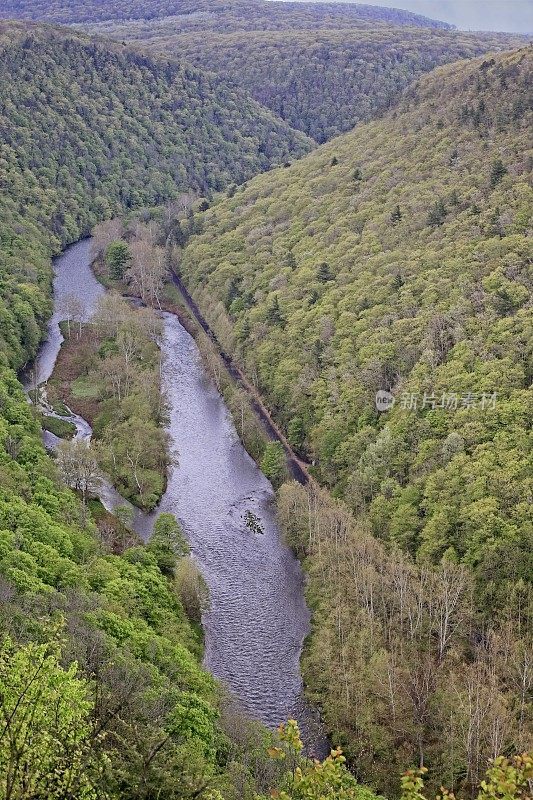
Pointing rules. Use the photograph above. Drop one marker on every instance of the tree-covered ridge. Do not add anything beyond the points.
(101, 690)
(322, 68)
(226, 13)
(397, 258)
(322, 82)
(87, 129)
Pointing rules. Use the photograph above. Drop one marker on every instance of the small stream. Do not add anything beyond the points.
(258, 618)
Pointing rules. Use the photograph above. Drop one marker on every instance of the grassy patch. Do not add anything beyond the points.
(84, 389)
(59, 427)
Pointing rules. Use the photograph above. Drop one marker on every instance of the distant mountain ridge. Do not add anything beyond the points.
(322, 67)
(81, 11)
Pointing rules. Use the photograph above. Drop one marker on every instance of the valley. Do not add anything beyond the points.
(265, 403)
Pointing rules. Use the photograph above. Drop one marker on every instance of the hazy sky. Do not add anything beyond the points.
(487, 15)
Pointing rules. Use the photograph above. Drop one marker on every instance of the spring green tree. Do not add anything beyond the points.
(310, 779)
(168, 543)
(273, 462)
(47, 747)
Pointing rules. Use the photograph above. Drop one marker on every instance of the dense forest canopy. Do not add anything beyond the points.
(322, 68)
(87, 129)
(321, 82)
(256, 13)
(102, 693)
(393, 263)
(397, 258)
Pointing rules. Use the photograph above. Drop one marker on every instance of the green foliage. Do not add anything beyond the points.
(59, 427)
(437, 314)
(110, 376)
(273, 462)
(296, 432)
(321, 67)
(498, 171)
(167, 543)
(401, 691)
(47, 746)
(137, 132)
(506, 779)
(427, 311)
(238, 12)
(314, 780)
(117, 257)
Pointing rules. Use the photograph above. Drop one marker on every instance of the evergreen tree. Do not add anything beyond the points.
(117, 258)
(497, 172)
(290, 260)
(324, 273)
(396, 215)
(275, 315)
(437, 214)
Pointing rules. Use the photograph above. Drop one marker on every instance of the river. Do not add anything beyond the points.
(257, 621)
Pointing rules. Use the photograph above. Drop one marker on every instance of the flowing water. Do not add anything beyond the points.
(258, 618)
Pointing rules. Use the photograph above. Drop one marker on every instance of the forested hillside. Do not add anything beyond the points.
(102, 693)
(227, 14)
(397, 258)
(322, 68)
(86, 130)
(393, 263)
(321, 82)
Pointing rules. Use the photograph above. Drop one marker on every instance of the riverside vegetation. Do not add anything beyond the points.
(109, 373)
(101, 690)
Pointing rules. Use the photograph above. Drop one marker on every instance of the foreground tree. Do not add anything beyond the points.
(506, 779)
(47, 748)
(307, 779)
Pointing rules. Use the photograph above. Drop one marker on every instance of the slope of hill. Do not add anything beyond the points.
(397, 259)
(230, 14)
(323, 81)
(321, 67)
(87, 129)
